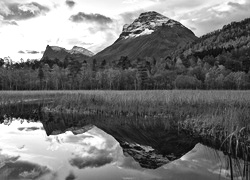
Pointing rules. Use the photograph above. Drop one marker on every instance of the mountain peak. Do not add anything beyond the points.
(152, 15)
(146, 24)
(77, 49)
(53, 52)
(150, 35)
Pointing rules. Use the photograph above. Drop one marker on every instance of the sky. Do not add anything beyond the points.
(28, 26)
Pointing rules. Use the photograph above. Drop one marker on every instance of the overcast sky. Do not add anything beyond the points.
(27, 27)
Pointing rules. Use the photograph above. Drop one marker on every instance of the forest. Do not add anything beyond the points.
(229, 70)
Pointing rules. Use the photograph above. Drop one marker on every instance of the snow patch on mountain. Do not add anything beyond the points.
(146, 24)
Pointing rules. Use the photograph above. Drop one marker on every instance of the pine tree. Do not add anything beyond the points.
(142, 75)
(41, 76)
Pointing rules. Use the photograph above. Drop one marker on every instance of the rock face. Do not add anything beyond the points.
(55, 52)
(81, 50)
(150, 35)
(145, 155)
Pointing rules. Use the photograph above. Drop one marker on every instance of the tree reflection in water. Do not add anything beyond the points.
(76, 145)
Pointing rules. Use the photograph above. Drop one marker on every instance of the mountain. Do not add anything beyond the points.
(81, 50)
(150, 35)
(53, 129)
(55, 52)
(232, 37)
(227, 48)
(149, 144)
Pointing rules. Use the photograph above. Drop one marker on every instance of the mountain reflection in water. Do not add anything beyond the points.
(74, 152)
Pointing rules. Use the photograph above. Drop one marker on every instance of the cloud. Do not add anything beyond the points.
(17, 11)
(22, 169)
(6, 22)
(90, 162)
(94, 155)
(21, 52)
(215, 17)
(109, 39)
(71, 176)
(129, 17)
(70, 3)
(97, 18)
(32, 128)
(178, 4)
(32, 52)
(239, 6)
(7, 159)
(10, 23)
(28, 52)
(129, 1)
(77, 41)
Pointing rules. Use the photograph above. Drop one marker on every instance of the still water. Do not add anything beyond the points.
(32, 150)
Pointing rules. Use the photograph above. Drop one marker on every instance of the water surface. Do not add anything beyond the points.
(89, 152)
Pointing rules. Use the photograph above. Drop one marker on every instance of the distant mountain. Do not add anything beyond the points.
(150, 35)
(81, 50)
(53, 129)
(55, 52)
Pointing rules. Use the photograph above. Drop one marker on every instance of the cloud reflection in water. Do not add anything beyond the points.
(92, 155)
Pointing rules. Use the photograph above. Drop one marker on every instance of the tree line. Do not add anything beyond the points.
(228, 70)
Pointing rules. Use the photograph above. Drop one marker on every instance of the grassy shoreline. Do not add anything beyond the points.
(215, 114)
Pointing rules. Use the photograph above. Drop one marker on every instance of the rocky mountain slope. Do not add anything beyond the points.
(150, 35)
(55, 52)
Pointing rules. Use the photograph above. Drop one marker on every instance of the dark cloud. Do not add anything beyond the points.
(84, 162)
(97, 18)
(98, 158)
(18, 11)
(239, 6)
(71, 176)
(21, 147)
(12, 168)
(28, 128)
(32, 128)
(21, 52)
(70, 3)
(23, 170)
(32, 52)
